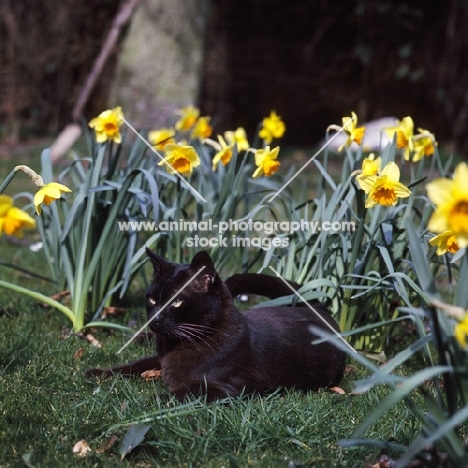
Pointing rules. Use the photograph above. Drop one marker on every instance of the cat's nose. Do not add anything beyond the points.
(155, 316)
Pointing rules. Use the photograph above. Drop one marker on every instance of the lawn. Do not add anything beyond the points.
(48, 405)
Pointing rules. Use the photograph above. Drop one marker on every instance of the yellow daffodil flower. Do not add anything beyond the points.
(13, 220)
(415, 146)
(238, 136)
(451, 200)
(423, 144)
(181, 159)
(273, 127)
(48, 193)
(202, 128)
(445, 242)
(355, 133)
(224, 153)
(160, 138)
(107, 125)
(404, 134)
(188, 116)
(370, 168)
(385, 189)
(461, 331)
(265, 160)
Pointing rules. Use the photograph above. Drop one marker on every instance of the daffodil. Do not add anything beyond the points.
(265, 160)
(423, 144)
(107, 125)
(160, 138)
(370, 168)
(445, 242)
(238, 137)
(415, 146)
(451, 200)
(404, 134)
(202, 128)
(355, 133)
(224, 153)
(181, 159)
(385, 189)
(12, 219)
(47, 194)
(273, 127)
(461, 331)
(188, 116)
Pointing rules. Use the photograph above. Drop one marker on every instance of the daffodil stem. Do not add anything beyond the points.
(345, 319)
(36, 178)
(8, 179)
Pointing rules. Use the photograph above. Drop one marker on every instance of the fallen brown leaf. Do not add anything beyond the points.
(108, 445)
(93, 340)
(153, 374)
(337, 390)
(81, 448)
(114, 311)
(78, 354)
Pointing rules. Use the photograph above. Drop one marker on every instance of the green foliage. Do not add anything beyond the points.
(375, 277)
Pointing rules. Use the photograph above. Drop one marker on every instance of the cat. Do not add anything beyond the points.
(204, 345)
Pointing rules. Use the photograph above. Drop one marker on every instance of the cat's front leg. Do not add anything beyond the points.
(135, 368)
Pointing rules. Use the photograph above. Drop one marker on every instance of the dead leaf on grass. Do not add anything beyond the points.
(108, 445)
(93, 340)
(81, 448)
(78, 354)
(113, 311)
(337, 390)
(152, 374)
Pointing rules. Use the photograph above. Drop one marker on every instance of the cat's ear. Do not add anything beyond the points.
(157, 261)
(207, 275)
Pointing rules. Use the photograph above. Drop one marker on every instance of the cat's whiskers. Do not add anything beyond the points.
(180, 334)
(207, 328)
(192, 330)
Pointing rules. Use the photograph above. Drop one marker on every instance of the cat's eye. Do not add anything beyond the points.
(176, 303)
(151, 301)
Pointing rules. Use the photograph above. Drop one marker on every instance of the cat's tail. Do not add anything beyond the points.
(261, 285)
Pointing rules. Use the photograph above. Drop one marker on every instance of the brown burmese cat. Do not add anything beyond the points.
(205, 345)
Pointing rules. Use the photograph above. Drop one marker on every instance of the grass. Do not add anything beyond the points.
(48, 406)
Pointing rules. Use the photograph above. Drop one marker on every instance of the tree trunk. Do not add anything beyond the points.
(160, 65)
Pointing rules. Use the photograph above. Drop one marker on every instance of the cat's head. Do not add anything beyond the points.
(181, 294)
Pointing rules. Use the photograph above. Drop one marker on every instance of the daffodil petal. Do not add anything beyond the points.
(392, 171)
(6, 202)
(439, 191)
(460, 181)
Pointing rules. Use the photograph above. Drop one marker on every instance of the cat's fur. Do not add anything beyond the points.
(205, 345)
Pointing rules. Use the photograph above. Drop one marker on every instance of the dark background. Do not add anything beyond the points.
(311, 61)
